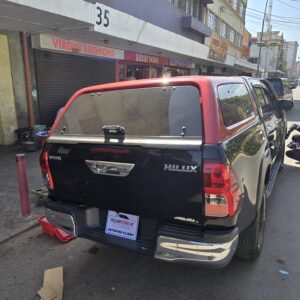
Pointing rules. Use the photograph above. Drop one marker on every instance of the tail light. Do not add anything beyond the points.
(222, 191)
(46, 170)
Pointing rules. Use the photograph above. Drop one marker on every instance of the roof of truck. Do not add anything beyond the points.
(160, 81)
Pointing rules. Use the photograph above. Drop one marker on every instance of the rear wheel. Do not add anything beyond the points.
(251, 240)
(281, 157)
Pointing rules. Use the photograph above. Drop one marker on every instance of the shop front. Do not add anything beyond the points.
(179, 68)
(64, 66)
(141, 66)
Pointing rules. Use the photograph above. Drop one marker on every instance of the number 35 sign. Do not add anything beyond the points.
(116, 23)
(102, 15)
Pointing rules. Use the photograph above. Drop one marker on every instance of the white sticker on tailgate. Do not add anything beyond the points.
(122, 225)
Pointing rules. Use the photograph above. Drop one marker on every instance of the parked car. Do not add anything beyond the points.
(282, 88)
(293, 83)
(179, 169)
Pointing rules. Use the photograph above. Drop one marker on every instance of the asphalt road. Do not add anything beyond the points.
(94, 271)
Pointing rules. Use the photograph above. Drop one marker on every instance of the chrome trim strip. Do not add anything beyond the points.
(158, 142)
(109, 168)
(177, 250)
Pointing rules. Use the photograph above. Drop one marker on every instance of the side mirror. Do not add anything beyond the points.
(266, 108)
(285, 105)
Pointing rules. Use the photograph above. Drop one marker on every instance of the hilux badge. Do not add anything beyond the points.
(54, 157)
(180, 168)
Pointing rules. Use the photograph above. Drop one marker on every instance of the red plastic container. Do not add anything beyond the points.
(53, 231)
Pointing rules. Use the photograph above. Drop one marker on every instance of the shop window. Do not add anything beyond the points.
(141, 72)
(122, 72)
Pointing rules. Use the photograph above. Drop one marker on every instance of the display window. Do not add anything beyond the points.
(131, 71)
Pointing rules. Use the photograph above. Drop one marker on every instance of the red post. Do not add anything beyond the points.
(23, 185)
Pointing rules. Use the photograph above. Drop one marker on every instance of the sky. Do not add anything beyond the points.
(285, 18)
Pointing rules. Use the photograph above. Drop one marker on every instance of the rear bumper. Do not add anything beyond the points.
(172, 243)
(216, 255)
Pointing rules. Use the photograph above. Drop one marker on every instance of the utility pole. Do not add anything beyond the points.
(261, 37)
(269, 16)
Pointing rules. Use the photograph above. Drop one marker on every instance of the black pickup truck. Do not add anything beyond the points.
(177, 168)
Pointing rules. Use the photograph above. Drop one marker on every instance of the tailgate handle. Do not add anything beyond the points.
(109, 168)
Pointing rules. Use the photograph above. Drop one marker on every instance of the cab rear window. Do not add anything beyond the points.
(235, 103)
(155, 111)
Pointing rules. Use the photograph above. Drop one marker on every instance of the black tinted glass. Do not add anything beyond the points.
(235, 103)
(155, 111)
(277, 86)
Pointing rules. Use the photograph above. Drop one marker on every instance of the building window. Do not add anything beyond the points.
(223, 29)
(191, 7)
(175, 2)
(184, 5)
(238, 40)
(231, 36)
(234, 4)
(242, 10)
(253, 60)
(196, 10)
(212, 21)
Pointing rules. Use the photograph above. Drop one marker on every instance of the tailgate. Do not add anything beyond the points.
(157, 183)
(135, 151)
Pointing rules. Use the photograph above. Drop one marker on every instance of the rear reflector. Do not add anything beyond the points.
(46, 170)
(222, 192)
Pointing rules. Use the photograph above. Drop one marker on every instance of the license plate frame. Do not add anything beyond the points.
(122, 225)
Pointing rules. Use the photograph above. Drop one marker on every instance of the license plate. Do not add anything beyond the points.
(122, 225)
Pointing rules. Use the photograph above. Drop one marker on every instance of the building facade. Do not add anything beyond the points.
(246, 44)
(271, 59)
(290, 50)
(70, 44)
(226, 18)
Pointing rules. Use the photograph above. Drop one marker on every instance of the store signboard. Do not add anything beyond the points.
(70, 46)
(181, 64)
(144, 58)
(218, 48)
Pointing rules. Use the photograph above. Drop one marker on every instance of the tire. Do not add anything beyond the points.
(251, 240)
(282, 155)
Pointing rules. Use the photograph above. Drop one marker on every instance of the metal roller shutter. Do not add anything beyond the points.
(60, 75)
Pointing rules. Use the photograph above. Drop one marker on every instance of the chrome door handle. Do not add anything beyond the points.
(109, 168)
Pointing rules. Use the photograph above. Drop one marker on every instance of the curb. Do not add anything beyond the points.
(32, 224)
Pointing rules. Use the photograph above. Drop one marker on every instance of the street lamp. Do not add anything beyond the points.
(261, 36)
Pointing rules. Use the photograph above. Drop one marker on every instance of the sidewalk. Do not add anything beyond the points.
(11, 221)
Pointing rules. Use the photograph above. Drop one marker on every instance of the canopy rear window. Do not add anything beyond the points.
(155, 111)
